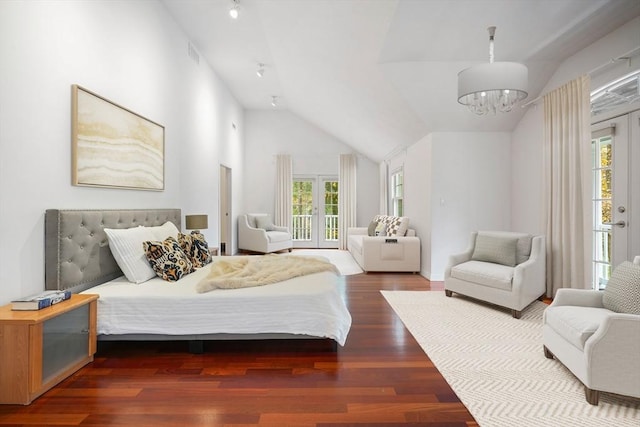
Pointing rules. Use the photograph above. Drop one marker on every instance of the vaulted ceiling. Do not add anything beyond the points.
(381, 74)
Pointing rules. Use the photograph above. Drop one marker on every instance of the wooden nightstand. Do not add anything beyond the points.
(38, 349)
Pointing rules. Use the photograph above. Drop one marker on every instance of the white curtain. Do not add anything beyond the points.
(384, 188)
(284, 189)
(346, 197)
(567, 188)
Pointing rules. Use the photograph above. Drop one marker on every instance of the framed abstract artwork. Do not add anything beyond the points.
(114, 147)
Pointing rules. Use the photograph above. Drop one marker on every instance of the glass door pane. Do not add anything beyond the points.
(602, 233)
(303, 209)
(329, 221)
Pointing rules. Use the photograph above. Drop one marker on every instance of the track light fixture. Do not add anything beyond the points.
(274, 101)
(234, 12)
(260, 71)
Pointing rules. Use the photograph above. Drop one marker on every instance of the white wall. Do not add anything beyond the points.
(418, 166)
(527, 180)
(313, 152)
(132, 53)
(456, 183)
(528, 136)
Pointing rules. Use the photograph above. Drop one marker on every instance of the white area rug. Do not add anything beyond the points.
(496, 366)
(341, 259)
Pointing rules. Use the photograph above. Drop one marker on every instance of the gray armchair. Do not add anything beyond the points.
(501, 267)
(257, 233)
(596, 334)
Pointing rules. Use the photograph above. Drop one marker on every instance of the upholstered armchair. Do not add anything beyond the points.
(596, 334)
(257, 233)
(500, 267)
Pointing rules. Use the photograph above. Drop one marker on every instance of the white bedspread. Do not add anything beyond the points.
(309, 305)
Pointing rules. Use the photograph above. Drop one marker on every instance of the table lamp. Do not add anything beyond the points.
(196, 222)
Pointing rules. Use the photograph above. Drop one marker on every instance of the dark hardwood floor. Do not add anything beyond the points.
(381, 377)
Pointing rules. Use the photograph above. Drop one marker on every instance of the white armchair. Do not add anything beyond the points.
(257, 233)
(500, 267)
(596, 335)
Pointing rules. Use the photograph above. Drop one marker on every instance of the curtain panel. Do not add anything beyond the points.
(384, 188)
(284, 191)
(567, 188)
(346, 198)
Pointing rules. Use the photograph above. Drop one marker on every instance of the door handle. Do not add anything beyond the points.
(620, 223)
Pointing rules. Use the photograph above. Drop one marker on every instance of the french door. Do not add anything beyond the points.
(315, 212)
(611, 142)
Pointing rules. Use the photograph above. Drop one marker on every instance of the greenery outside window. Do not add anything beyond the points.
(397, 192)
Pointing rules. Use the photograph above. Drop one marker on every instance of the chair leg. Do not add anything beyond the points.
(593, 396)
(448, 293)
(547, 353)
(516, 313)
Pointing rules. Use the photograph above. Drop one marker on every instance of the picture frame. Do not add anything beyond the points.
(112, 146)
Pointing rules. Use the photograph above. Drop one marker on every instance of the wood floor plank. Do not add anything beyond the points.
(42, 419)
(381, 377)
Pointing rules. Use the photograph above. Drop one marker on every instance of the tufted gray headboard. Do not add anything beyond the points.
(77, 254)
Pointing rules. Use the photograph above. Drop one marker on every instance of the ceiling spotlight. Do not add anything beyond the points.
(274, 101)
(234, 12)
(260, 71)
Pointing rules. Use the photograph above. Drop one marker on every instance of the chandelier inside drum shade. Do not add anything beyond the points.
(496, 86)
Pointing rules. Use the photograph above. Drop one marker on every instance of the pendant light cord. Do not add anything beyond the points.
(492, 33)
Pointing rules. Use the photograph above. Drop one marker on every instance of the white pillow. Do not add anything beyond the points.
(265, 223)
(161, 232)
(126, 247)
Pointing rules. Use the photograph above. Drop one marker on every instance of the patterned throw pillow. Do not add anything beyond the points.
(397, 226)
(496, 249)
(196, 248)
(394, 225)
(622, 293)
(167, 259)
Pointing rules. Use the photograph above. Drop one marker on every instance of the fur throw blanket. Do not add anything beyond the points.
(244, 272)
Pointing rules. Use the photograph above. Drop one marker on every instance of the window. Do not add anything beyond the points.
(331, 210)
(302, 209)
(623, 91)
(397, 192)
(602, 232)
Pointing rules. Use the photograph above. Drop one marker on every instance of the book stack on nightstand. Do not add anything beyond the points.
(40, 301)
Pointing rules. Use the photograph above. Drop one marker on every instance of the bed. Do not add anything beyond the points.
(78, 258)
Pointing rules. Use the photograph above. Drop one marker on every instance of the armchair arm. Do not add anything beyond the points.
(461, 257)
(253, 232)
(529, 277)
(456, 259)
(280, 228)
(377, 254)
(613, 352)
(250, 238)
(357, 230)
